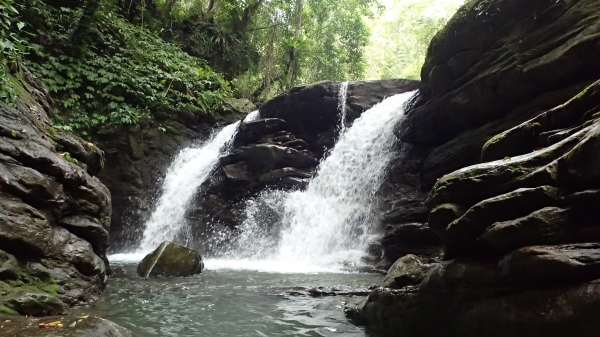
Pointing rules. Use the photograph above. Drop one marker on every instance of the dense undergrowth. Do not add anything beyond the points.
(122, 73)
(104, 71)
(12, 46)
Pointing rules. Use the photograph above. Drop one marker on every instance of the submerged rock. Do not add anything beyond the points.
(171, 259)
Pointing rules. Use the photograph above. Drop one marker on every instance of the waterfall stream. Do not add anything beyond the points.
(189, 170)
(330, 224)
(326, 227)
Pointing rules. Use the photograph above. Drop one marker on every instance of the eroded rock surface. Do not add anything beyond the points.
(54, 213)
(505, 134)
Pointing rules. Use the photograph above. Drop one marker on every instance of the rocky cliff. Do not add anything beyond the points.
(55, 214)
(506, 135)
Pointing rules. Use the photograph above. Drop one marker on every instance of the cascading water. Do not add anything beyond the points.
(332, 222)
(342, 99)
(189, 170)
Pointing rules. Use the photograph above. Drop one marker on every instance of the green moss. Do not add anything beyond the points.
(6, 310)
(493, 140)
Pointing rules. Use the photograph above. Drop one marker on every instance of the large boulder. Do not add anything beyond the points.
(171, 259)
(54, 213)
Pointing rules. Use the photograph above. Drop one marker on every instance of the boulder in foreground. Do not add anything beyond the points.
(171, 259)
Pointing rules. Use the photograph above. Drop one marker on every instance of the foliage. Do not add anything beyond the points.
(120, 74)
(12, 45)
(401, 37)
(254, 42)
(333, 36)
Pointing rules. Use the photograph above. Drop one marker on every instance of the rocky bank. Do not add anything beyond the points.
(504, 136)
(55, 218)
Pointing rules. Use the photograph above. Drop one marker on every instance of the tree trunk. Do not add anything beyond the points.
(270, 59)
(292, 64)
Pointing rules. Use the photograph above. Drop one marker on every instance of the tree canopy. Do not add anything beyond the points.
(113, 62)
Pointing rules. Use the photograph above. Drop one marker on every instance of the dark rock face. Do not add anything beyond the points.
(505, 134)
(171, 259)
(54, 214)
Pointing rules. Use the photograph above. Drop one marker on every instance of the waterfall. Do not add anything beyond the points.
(342, 99)
(333, 220)
(189, 170)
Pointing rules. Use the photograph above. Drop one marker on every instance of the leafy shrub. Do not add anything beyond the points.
(12, 45)
(119, 73)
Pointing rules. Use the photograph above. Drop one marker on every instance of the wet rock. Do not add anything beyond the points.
(119, 272)
(408, 270)
(279, 175)
(408, 238)
(54, 215)
(36, 303)
(263, 158)
(171, 259)
(70, 326)
(250, 132)
(311, 111)
(464, 230)
(237, 172)
(553, 264)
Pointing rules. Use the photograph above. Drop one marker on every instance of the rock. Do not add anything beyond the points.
(232, 111)
(119, 272)
(544, 129)
(550, 225)
(279, 175)
(237, 172)
(408, 270)
(464, 230)
(88, 327)
(541, 265)
(311, 111)
(408, 238)
(36, 303)
(250, 132)
(506, 132)
(54, 214)
(493, 57)
(171, 259)
(442, 215)
(263, 158)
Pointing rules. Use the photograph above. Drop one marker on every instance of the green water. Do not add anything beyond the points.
(232, 303)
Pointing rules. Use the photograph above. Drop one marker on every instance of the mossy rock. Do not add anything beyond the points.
(171, 259)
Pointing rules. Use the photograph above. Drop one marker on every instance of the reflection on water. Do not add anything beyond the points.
(232, 303)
